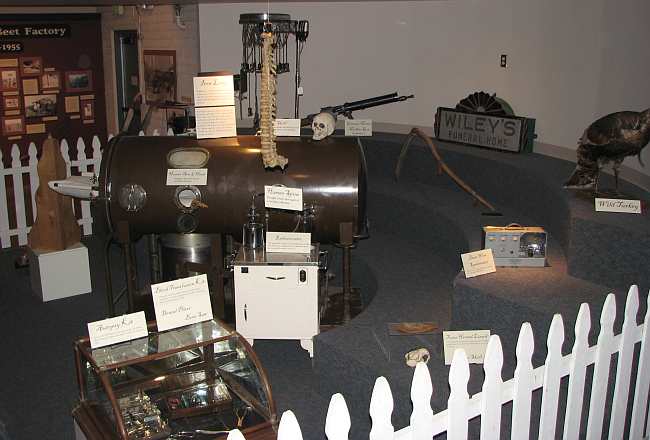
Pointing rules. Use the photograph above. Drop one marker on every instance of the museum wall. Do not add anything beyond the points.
(159, 32)
(568, 62)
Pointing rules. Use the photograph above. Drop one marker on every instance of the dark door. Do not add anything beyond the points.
(126, 71)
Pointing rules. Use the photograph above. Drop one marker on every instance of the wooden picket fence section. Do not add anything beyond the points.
(495, 392)
(21, 216)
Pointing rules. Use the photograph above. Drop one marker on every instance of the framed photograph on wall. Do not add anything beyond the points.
(51, 80)
(9, 79)
(37, 106)
(31, 66)
(160, 75)
(13, 125)
(87, 110)
(11, 102)
(78, 81)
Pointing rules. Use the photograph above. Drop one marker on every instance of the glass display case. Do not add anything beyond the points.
(198, 381)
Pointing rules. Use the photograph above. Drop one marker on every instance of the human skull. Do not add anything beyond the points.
(323, 125)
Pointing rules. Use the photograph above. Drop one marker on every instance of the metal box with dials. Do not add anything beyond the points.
(515, 245)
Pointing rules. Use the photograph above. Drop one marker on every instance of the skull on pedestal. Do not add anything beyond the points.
(323, 125)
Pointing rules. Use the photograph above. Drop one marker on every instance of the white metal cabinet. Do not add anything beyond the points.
(277, 299)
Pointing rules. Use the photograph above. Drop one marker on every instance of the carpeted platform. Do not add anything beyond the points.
(408, 269)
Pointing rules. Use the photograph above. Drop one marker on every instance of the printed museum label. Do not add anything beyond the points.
(618, 205)
(35, 31)
(478, 263)
(212, 91)
(187, 176)
(119, 329)
(215, 122)
(281, 197)
(286, 127)
(288, 242)
(181, 302)
(358, 127)
(474, 342)
(502, 133)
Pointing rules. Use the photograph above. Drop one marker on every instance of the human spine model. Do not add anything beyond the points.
(268, 87)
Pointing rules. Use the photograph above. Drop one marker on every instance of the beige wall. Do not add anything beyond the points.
(569, 61)
(158, 31)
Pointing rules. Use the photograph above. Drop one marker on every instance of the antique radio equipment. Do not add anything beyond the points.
(516, 245)
(182, 185)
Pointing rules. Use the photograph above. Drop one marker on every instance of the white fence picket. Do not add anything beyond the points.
(33, 175)
(65, 153)
(82, 165)
(552, 376)
(523, 382)
(337, 422)
(422, 415)
(5, 237)
(492, 390)
(19, 195)
(458, 397)
(289, 429)
(601, 368)
(235, 434)
(577, 369)
(381, 410)
(624, 365)
(639, 414)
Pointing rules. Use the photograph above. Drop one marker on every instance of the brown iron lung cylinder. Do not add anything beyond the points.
(134, 189)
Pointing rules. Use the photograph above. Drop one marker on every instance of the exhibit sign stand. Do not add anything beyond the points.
(60, 274)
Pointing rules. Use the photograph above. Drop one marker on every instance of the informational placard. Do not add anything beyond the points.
(286, 127)
(282, 197)
(474, 342)
(358, 127)
(288, 242)
(210, 91)
(618, 205)
(119, 329)
(181, 302)
(478, 263)
(187, 176)
(215, 122)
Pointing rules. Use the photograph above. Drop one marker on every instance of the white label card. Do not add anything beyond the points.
(181, 302)
(618, 205)
(286, 127)
(474, 342)
(358, 127)
(478, 263)
(187, 176)
(288, 242)
(214, 90)
(215, 122)
(119, 329)
(281, 197)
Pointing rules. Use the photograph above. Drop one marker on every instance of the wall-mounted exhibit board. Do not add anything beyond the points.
(51, 80)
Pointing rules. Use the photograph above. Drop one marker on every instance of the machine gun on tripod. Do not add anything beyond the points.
(324, 122)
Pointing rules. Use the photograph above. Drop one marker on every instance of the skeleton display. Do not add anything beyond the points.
(323, 125)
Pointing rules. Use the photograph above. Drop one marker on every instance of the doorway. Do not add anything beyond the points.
(127, 71)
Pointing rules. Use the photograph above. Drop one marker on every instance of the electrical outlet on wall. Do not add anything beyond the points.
(504, 60)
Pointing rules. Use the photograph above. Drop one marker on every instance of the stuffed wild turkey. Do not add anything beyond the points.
(609, 139)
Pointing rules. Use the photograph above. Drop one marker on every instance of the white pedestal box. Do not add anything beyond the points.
(276, 296)
(60, 274)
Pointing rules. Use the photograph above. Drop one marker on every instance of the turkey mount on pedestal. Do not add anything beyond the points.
(609, 139)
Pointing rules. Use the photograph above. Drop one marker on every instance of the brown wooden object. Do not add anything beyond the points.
(56, 227)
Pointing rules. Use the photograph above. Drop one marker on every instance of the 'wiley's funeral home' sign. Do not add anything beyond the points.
(34, 31)
(508, 133)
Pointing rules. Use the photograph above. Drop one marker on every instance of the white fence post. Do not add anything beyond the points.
(577, 371)
(337, 422)
(492, 390)
(33, 175)
(19, 195)
(523, 382)
(421, 391)
(552, 376)
(289, 429)
(5, 236)
(458, 397)
(639, 414)
(381, 410)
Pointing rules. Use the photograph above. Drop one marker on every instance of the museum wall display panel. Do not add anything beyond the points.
(568, 62)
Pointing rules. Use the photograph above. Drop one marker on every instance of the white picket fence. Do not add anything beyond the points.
(81, 165)
(495, 392)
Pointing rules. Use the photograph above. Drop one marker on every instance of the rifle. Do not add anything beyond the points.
(347, 108)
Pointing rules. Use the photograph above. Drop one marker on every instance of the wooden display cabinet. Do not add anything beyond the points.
(198, 381)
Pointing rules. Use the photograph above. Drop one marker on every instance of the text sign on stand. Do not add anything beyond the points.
(119, 329)
(215, 122)
(187, 176)
(211, 91)
(281, 197)
(478, 263)
(181, 302)
(214, 100)
(358, 127)
(286, 127)
(618, 205)
(288, 242)
(474, 342)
